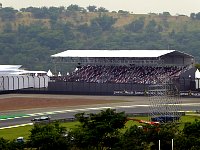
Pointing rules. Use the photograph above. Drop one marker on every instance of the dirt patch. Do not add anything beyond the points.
(16, 103)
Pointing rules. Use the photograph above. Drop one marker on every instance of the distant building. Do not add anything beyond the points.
(12, 77)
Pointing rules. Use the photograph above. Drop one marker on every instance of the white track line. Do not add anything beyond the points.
(15, 126)
(92, 108)
(83, 109)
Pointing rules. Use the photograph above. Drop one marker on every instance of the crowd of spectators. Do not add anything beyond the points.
(123, 74)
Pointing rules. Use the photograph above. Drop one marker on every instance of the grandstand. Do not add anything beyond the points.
(121, 71)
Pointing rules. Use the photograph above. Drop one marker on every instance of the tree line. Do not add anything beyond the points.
(51, 31)
(106, 130)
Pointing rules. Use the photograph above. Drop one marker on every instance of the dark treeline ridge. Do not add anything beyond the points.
(30, 35)
(106, 130)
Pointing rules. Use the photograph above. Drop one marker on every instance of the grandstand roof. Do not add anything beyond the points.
(115, 53)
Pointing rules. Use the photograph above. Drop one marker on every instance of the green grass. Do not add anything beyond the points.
(70, 125)
(13, 133)
(184, 119)
(189, 118)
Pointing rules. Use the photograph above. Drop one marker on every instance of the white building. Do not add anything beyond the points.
(12, 77)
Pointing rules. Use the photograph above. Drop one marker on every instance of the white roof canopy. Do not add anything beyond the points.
(9, 67)
(19, 72)
(15, 70)
(112, 53)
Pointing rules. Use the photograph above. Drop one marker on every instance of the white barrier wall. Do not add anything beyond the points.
(197, 83)
(40, 81)
(1, 83)
(23, 82)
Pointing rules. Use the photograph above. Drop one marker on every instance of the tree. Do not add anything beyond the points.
(188, 139)
(51, 39)
(102, 9)
(74, 8)
(136, 25)
(99, 130)
(151, 26)
(38, 12)
(8, 28)
(4, 144)
(54, 12)
(84, 28)
(104, 22)
(92, 8)
(134, 139)
(11, 145)
(198, 16)
(166, 14)
(48, 136)
(8, 14)
(193, 16)
(166, 133)
(197, 66)
(192, 133)
(123, 12)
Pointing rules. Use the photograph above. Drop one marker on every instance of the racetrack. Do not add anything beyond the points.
(62, 106)
(20, 103)
(40, 102)
(10, 103)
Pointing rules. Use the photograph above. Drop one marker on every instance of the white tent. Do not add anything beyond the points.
(197, 74)
(49, 73)
(197, 79)
(59, 74)
(76, 69)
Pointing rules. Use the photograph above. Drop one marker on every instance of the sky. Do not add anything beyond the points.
(175, 7)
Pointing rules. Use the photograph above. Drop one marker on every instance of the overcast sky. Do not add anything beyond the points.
(135, 6)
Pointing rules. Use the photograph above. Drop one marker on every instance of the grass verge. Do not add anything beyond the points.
(13, 133)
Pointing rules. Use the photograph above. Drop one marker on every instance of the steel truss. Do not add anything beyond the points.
(164, 100)
(107, 60)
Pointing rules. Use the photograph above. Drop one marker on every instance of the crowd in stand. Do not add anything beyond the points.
(123, 74)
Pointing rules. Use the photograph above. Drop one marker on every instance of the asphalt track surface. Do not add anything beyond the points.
(129, 104)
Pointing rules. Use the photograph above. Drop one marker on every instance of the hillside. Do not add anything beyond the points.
(169, 23)
(31, 35)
